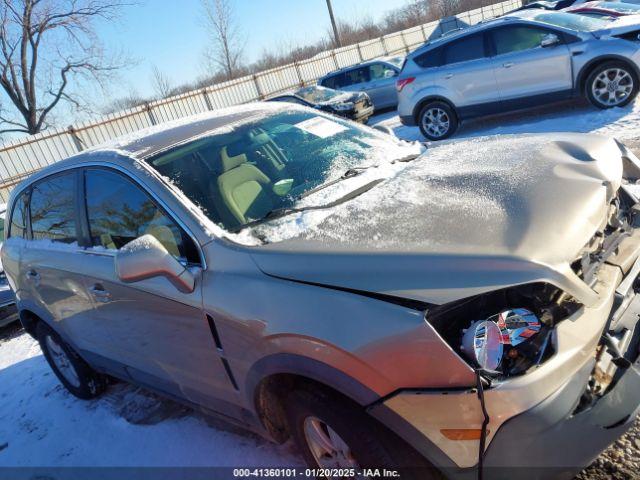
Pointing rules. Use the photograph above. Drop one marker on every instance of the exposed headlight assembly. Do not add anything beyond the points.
(495, 343)
(504, 332)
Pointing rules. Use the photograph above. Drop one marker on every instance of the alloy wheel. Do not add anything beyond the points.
(612, 86)
(62, 362)
(436, 122)
(327, 447)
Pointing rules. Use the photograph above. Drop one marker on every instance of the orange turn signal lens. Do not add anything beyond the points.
(462, 433)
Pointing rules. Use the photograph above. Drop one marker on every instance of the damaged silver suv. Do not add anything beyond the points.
(470, 306)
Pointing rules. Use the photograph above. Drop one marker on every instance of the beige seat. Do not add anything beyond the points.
(245, 190)
(163, 234)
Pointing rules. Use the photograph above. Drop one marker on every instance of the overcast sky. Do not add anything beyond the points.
(170, 35)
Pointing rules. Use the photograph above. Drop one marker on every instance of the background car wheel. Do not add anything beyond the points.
(437, 121)
(73, 372)
(612, 84)
(333, 432)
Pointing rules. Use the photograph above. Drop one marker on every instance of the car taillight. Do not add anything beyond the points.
(403, 82)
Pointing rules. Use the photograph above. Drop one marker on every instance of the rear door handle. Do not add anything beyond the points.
(100, 294)
(508, 64)
(33, 276)
(448, 76)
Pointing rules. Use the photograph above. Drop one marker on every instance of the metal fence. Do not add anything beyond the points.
(20, 158)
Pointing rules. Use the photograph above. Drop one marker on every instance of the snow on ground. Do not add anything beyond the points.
(41, 425)
(574, 116)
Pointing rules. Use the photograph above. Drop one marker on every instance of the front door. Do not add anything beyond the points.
(164, 339)
(382, 85)
(526, 69)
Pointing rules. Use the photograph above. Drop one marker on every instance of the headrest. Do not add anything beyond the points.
(231, 162)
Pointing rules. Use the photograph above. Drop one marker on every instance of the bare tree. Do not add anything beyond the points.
(46, 48)
(226, 39)
(161, 82)
(447, 8)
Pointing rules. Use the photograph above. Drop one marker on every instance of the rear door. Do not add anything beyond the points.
(382, 85)
(52, 267)
(162, 335)
(524, 68)
(467, 74)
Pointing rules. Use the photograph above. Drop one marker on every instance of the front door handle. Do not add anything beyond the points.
(448, 76)
(100, 294)
(508, 64)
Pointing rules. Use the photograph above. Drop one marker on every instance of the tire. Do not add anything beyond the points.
(441, 116)
(612, 84)
(79, 378)
(369, 443)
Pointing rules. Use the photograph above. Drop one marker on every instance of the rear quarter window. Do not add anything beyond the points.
(18, 222)
(429, 59)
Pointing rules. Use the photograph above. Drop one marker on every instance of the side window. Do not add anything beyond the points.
(517, 38)
(119, 211)
(380, 71)
(335, 81)
(18, 223)
(357, 75)
(464, 49)
(53, 209)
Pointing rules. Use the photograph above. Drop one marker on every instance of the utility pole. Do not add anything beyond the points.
(333, 24)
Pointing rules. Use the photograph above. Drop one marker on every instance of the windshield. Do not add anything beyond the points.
(579, 23)
(249, 170)
(315, 94)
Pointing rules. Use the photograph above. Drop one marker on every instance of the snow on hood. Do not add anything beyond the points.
(465, 218)
(495, 194)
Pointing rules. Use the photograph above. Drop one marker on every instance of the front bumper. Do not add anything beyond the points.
(534, 427)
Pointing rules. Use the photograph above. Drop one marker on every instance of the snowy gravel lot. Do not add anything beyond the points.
(42, 425)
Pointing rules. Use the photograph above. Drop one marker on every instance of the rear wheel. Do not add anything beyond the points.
(437, 121)
(334, 433)
(612, 84)
(73, 372)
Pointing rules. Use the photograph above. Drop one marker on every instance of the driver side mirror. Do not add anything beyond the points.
(145, 257)
(549, 40)
(390, 74)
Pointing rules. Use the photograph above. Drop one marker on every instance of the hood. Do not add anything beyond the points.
(625, 24)
(462, 219)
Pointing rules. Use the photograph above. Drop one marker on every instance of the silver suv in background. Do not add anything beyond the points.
(376, 77)
(521, 60)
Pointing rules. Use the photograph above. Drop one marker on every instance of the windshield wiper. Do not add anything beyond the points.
(352, 172)
(408, 158)
(281, 212)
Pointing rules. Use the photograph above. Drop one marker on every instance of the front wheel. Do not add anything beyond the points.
(437, 121)
(333, 433)
(72, 371)
(612, 84)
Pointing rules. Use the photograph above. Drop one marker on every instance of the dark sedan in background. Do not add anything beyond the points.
(352, 105)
